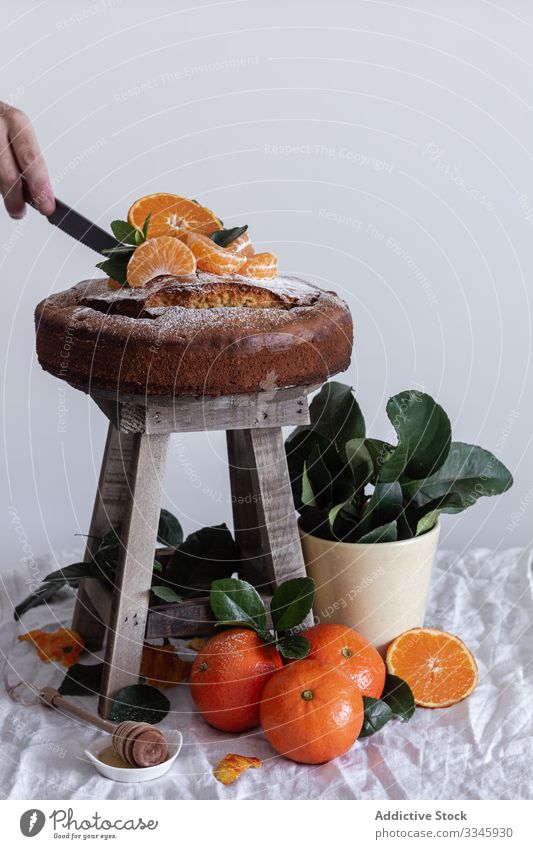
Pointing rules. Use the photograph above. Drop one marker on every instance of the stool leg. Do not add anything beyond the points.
(108, 512)
(127, 621)
(266, 528)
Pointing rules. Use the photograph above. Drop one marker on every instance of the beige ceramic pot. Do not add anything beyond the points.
(380, 589)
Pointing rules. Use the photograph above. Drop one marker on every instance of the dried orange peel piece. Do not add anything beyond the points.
(263, 265)
(162, 667)
(172, 215)
(163, 255)
(438, 667)
(211, 257)
(197, 643)
(62, 645)
(232, 766)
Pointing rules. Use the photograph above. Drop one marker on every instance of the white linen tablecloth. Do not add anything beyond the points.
(481, 748)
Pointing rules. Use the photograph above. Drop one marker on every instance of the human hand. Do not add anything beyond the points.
(20, 154)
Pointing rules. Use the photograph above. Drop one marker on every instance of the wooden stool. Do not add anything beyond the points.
(129, 495)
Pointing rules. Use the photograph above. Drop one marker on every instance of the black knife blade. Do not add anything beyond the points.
(75, 224)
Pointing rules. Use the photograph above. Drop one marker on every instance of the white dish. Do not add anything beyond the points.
(148, 773)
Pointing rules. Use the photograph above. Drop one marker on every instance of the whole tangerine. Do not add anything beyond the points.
(228, 677)
(347, 650)
(311, 713)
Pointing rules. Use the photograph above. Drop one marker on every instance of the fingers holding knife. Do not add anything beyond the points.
(20, 154)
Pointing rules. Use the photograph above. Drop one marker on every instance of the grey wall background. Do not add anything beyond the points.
(380, 148)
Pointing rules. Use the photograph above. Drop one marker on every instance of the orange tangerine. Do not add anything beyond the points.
(211, 257)
(162, 255)
(263, 265)
(438, 667)
(242, 245)
(172, 215)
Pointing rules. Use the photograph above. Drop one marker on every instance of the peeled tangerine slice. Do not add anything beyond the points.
(162, 255)
(263, 265)
(438, 667)
(172, 215)
(211, 257)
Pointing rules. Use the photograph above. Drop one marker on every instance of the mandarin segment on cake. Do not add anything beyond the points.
(199, 334)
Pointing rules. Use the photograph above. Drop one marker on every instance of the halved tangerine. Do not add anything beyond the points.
(172, 215)
(162, 255)
(438, 667)
(211, 257)
(262, 265)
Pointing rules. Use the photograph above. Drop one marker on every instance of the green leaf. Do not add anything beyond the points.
(316, 481)
(307, 498)
(469, 473)
(116, 267)
(377, 714)
(293, 646)
(124, 232)
(157, 568)
(291, 603)
(233, 600)
(206, 554)
(384, 506)
(140, 703)
(427, 522)
(360, 461)
(70, 575)
(379, 452)
(424, 436)
(398, 695)
(335, 415)
(44, 593)
(169, 531)
(166, 594)
(383, 533)
(146, 226)
(223, 238)
(82, 680)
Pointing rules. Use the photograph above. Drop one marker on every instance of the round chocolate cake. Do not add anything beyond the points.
(198, 335)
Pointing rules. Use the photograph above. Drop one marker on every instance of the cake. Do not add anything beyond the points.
(198, 335)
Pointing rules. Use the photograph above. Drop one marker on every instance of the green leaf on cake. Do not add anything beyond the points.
(124, 232)
(223, 238)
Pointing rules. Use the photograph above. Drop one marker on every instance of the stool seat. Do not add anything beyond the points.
(129, 496)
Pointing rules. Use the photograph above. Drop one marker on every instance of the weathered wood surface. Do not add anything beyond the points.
(144, 414)
(127, 621)
(112, 494)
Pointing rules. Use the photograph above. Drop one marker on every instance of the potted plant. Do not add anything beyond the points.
(369, 510)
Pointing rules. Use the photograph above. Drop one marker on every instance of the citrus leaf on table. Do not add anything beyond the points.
(398, 696)
(82, 680)
(291, 603)
(233, 600)
(169, 531)
(140, 703)
(223, 238)
(377, 714)
(293, 646)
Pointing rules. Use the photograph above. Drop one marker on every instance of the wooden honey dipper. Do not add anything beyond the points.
(137, 743)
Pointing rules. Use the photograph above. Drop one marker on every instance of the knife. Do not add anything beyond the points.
(75, 224)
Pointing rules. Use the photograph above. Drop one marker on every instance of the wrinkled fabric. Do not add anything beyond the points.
(481, 748)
